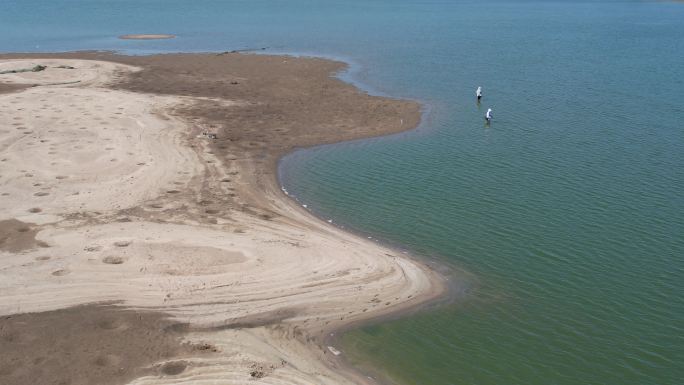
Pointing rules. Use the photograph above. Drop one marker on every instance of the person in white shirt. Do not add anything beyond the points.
(488, 115)
(478, 93)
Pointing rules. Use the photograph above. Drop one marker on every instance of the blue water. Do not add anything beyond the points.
(567, 212)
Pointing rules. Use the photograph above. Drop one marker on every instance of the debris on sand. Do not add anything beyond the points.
(334, 351)
(257, 374)
(36, 68)
(209, 135)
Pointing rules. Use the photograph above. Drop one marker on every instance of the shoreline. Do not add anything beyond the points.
(274, 205)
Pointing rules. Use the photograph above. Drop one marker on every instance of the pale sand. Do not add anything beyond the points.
(263, 292)
(146, 37)
(83, 148)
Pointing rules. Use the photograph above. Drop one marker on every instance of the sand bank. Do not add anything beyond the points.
(147, 37)
(110, 193)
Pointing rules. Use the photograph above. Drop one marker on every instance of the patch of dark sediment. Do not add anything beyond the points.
(8, 88)
(16, 236)
(89, 344)
(268, 318)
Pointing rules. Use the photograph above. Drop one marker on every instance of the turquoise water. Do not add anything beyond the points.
(567, 212)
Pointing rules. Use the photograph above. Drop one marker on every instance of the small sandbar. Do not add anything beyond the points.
(146, 37)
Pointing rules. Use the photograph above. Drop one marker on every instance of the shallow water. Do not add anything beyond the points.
(567, 212)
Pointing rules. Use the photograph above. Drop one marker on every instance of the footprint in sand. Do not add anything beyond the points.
(174, 368)
(112, 324)
(113, 260)
(60, 272)
(107, 360)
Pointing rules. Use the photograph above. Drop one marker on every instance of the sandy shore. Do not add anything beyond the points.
(135, 249)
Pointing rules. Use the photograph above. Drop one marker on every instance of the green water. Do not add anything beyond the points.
(566, 214)
(567, 211)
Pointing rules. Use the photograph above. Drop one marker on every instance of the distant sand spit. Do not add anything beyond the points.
(116, 207)
(147, 37)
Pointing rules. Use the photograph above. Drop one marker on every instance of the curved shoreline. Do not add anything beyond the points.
(253, 200)
(442, 272)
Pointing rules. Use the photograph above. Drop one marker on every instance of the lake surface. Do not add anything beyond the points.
(565, 216)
